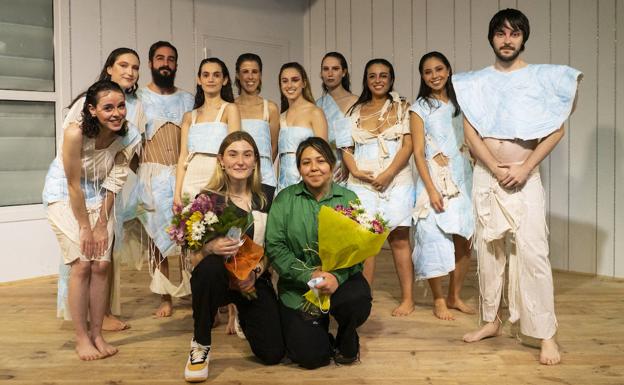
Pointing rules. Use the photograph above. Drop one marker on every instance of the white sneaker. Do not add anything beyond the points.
(196, 369)
(238, 329)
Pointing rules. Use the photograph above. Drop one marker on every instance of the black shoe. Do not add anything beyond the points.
(339, 359)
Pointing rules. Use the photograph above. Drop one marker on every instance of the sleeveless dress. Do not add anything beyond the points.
(134, 115)
(203, 142)
(375, 152)
(339, 125)
(260, 130)
(444, 134)
(289, 139)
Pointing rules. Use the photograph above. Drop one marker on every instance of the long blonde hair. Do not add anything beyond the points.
(220, 182)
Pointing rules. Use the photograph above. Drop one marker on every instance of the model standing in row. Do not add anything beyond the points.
(300, 119)
(259, 116)
(164, 105)
(214, 116)
(443, 214)
(79, 194)
(379, 168)
(507, 189)
(121, 67)
(335, 102)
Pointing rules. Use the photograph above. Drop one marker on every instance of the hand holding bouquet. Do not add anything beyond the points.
(347, 235)
(198, 222)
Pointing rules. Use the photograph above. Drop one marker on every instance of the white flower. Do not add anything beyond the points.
(210, 218)
(197, 231)
(187, 208)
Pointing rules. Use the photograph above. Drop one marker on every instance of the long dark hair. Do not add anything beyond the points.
(346, 80)
(226, 91)
(110, 61)
(425, 91)
(243, 58)
(307, 90)
(366, 94)
(90, 125)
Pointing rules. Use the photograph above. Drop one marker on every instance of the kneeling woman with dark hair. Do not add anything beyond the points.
(292, 247)
(235, 182)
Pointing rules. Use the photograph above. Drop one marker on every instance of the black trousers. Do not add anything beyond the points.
(259, 318)
(308, 341)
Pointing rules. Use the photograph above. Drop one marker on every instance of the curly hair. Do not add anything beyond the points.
(90, 124)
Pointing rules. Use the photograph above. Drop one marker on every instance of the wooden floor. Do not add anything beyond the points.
(36, 348)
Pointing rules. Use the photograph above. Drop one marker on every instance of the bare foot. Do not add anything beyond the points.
(405, 308)
(106, 349)
(549, 354)
(86, 350)
(490, 329)
(165, 309)
(230, 328)
(460, 305)
(441, 311)
(113, 324)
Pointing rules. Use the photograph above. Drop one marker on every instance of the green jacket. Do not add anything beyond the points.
(291, 240)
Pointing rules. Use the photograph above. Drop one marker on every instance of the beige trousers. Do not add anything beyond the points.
(511, 225)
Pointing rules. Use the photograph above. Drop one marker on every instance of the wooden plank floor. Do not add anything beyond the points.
(36, 348)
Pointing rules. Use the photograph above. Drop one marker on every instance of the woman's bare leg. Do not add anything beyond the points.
(456, 282)
(78, 298)
(402, 254)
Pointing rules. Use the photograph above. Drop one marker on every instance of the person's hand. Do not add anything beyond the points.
(329, 284)
(435, 200)
(86, 242)
(177, 201)
(248, 283)
(364, 175)
(517, 175)
(222, 246)
(382, 181)
(100, 239)
(500, 173)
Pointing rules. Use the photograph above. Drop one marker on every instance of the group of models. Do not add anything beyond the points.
(502, 120)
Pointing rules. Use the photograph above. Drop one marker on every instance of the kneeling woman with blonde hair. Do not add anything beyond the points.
(236, 182)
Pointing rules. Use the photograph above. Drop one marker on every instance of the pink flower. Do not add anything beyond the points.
(377, 226)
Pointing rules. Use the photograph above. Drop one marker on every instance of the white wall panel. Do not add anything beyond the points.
(461, 43)
(330, 25)
(361, 40)
(618, 232)
(85, 52)
(343, 30)
(583, 55)
(317, 44)
(402, 48)
(560, 157)
(440, 27)
(382, 32)
(419, 40)
(118, 26)
(605, 130)
(183, 39)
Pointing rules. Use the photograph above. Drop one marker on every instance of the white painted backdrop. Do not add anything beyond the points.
(584, 176)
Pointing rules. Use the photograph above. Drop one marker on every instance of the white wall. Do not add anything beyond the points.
(87, 30)
(584, 176)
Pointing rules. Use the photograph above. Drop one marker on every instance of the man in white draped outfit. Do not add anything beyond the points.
(513, 117)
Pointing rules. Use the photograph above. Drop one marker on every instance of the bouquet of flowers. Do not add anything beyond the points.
(346, 236)
(198, 222)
